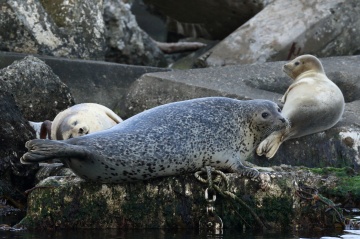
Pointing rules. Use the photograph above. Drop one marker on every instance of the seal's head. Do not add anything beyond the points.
(72, 127)
(303, 64)
(267, 118)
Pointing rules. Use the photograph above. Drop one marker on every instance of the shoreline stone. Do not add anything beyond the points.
(177, 202)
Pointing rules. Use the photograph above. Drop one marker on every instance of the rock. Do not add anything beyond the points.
(14, 132)
(318, 29)
(73, 29)
(150, 20)
(99, 82)
(208, 19)
(38, 92)
(178, 202)
(335, 147)
(126, 42)
(82, 29)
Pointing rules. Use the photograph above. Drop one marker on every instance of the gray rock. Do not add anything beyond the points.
(80, 29)
(38, 92)
(149, 20)
(285, 29)
(126, 42)
(91, 81)
(14, 132)
(208, 19)
(70, 29)
(335, 147)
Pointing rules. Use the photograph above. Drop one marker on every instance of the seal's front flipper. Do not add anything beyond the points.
(270, 145)
(245, 171)
(42, 150)
(249, 173)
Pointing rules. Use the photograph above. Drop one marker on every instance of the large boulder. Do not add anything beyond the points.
(69, 29)
(38, 92)
(99, 82)
(126, 42)
(285, 29)
(14, 132)
(81, 29)
(210, 19)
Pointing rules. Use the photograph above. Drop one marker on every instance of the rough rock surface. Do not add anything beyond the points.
(126, 42)
(81, 29)
(14, 132)
(179, 202)
(285, 29)
(100, 82)
(38, 92)
(73, 29)
(335, 147)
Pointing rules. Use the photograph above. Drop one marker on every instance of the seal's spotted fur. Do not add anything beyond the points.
(167, 140)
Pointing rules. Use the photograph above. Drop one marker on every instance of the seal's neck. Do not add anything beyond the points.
(311, 73)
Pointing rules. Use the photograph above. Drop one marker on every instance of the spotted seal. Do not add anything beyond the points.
(82, 119)
(167, 140)
(312, 103)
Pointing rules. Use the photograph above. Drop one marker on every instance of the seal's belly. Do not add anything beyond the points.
(116, 171)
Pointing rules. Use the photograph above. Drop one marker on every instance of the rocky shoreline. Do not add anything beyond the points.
(56, 55)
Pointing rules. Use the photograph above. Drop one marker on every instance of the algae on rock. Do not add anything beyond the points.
(169, 202)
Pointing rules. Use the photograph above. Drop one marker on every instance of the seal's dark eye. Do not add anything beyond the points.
(265, 115)
(297, 63)
(279, 110)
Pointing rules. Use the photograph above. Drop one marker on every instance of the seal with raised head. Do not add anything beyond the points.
(312, 103)
(167, 140)
(82, 119)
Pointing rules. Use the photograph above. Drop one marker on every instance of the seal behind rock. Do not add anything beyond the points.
(167, 140)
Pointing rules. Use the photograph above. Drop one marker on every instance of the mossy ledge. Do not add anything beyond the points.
(178, 202)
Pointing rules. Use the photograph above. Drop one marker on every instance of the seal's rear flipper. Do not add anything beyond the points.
(270, 145)
(42, 150)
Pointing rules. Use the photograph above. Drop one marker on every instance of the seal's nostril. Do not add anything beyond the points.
(282, 120)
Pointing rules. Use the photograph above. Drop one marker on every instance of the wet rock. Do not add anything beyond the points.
(281, 31)
(126, 42)
(14, 132)
(38, 92)
(73, 29)
(265, 81)
(178, 202)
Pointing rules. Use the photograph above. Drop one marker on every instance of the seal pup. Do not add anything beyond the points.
(168, 140)
(312, 103)
(82, 119)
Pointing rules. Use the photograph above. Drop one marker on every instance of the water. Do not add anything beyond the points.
(153, 234)
(12, 219)
(132, 234)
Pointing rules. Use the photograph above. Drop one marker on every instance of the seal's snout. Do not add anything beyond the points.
(84, 130)
(286, 68)
(283, 120)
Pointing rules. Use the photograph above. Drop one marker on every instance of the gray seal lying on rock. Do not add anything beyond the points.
(312, 103)
(168, 140)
